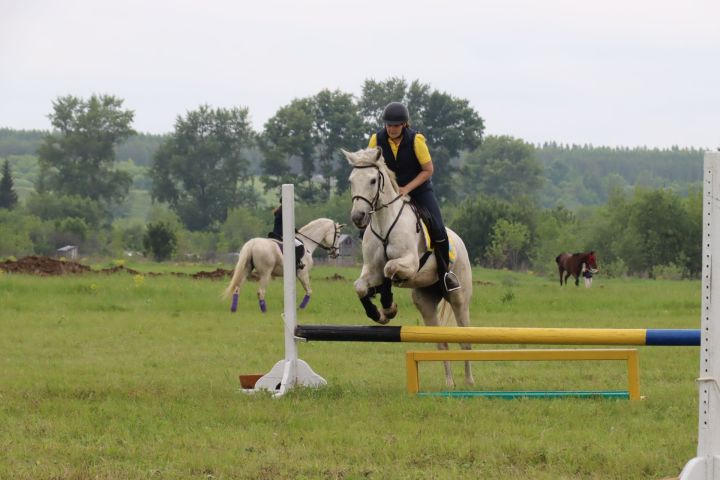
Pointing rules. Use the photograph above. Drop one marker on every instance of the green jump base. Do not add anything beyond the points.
(621, 394)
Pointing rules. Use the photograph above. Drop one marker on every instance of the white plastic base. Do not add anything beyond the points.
(285, 375)
(701, 468)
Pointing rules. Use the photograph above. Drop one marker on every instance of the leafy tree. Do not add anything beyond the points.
(70, 231)
(658, 226)
(200, 170)
(77, 159)
(337, 124)
(509, 240)
(287, 134)
(48, 206)
(504, 167)
(241, 225)
(160, 240)
(376, 95)
(8, 196)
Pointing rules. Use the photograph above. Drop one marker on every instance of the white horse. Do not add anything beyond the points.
(264, 256)
(393, 246)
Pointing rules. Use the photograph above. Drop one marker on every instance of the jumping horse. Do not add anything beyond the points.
(264, 256)
(572, 263)
(393, 246)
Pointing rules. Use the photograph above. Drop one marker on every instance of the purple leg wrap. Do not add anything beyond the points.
(263, 306)
(233, 305)
(305, 301)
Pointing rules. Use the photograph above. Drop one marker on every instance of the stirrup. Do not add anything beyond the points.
(450, 282)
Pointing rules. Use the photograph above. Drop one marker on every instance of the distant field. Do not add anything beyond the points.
(131, 376)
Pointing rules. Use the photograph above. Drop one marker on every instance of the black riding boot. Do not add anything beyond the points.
(448, 280)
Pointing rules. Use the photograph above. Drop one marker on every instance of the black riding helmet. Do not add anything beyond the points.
(395, 113)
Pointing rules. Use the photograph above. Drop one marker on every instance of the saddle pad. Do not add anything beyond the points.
(451, 248)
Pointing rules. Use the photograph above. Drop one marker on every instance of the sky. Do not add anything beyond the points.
(619, 73)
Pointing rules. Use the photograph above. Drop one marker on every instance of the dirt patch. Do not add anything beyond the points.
(43, 266)
(48, 266)
(217, 274)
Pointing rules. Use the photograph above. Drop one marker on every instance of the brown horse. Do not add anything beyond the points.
(571, 264)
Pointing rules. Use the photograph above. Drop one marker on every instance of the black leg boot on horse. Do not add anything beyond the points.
(448, 280)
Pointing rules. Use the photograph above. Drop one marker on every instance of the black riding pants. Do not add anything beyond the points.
(425, 198)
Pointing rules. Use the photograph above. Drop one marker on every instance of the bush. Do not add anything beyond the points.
(669, 272)
(615, 269)
(160, 240)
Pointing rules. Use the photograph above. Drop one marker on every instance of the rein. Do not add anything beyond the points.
(375, 208)
(333, 251)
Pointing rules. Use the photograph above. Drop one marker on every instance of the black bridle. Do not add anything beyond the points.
(375, 207)
(381, 184)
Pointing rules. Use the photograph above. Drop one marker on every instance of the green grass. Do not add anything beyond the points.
(119, 377)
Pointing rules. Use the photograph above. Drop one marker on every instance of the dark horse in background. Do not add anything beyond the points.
(571, 264)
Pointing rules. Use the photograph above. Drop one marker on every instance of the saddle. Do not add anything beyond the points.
(299, 249)
(424, 219)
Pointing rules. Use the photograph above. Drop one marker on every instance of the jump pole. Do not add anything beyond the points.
(500, 335)
(706, 465)
(291, 371)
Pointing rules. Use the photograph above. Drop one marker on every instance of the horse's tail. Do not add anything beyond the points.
(557, 259)
(445, 314)
(242, 269)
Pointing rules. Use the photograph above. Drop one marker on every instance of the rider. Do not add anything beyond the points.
(407, 154)
(277, 234)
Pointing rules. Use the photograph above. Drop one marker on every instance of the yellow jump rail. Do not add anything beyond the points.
(413, 358)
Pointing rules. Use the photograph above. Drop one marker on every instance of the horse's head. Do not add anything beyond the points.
(332, 238)
(592, 262)
(323, 233)
(370, 180)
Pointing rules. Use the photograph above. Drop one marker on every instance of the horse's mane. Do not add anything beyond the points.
(314, 224)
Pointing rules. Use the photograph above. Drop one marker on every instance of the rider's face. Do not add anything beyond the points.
(394, 131)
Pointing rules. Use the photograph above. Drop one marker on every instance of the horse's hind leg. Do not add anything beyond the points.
(461, 310)
(426, 300)
(304, 277)
(264, 281)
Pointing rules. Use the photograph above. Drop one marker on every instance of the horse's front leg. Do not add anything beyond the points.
(365, 287)
(389, 308)
(402, 268)
(304, 277)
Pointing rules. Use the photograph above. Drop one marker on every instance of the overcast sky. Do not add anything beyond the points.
(611, 72)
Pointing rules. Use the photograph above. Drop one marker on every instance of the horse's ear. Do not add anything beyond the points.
(349, 156)
(378, 153)
(340, 226)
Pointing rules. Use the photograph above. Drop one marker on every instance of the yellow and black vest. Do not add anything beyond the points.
(406, 166)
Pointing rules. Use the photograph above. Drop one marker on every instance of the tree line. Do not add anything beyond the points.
(515, 204)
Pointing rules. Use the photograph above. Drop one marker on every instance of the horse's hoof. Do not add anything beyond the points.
(383, 320)
(391, 312)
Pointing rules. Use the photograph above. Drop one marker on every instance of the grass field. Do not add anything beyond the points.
(126, 376)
